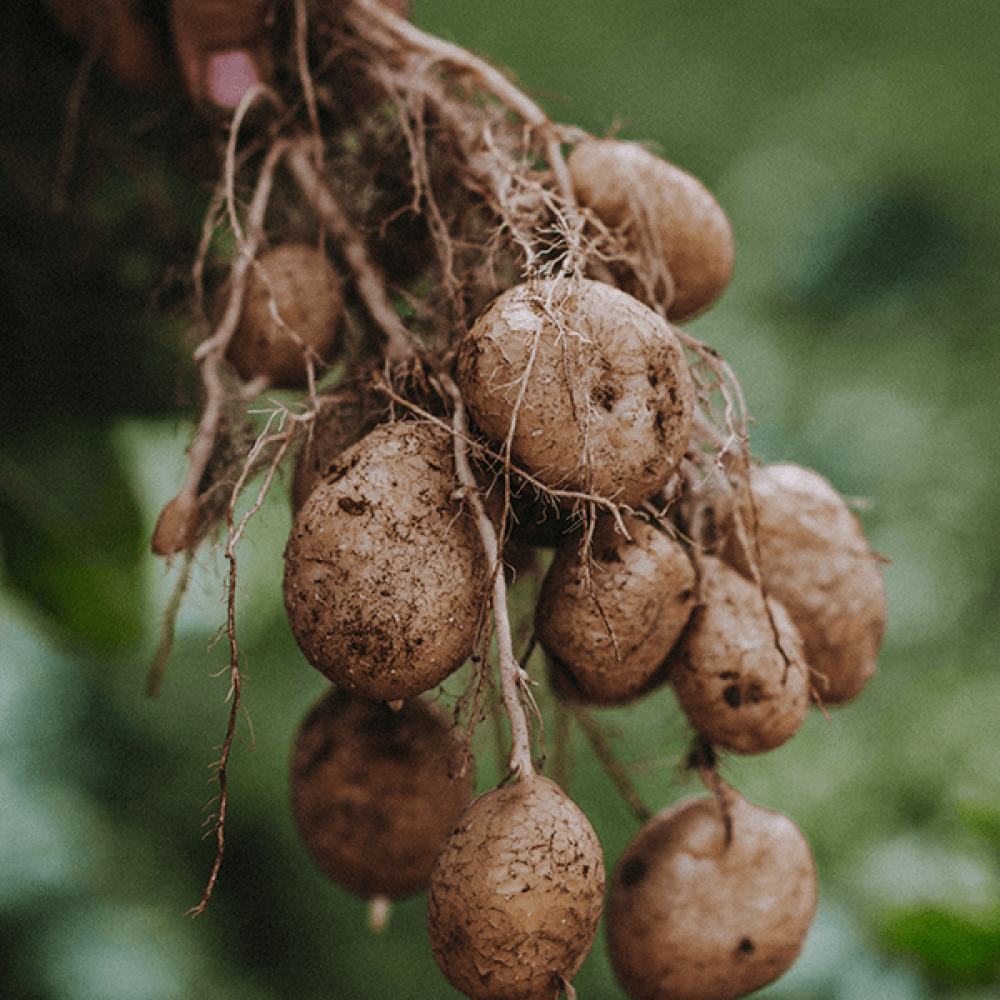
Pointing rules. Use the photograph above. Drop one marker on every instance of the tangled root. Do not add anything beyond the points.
(433, 183)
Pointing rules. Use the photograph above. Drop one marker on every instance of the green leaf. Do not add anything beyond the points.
(957, 948)
(71, 531)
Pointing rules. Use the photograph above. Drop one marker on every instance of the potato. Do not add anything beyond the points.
(814, 559)
(374, 792)
(343, 419)
(739, 672)
(385, 573)
(694, 914)
(658, 208)
(292, 306)
(592, 386)
(611, 634)
(516, 893)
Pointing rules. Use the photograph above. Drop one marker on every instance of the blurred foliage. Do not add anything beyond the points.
(856, 148)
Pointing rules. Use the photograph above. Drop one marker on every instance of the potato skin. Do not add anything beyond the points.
(301, 284)
(374, 791)
(385, 574)
(608, 401)
(516, 893)
(642, 588)
(732, 681)
(692, 917)
(632, 190)
(815, 560)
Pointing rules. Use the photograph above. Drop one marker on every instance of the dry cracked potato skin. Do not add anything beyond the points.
(739, 671)
(611, 619)
(516, 893)
(696, 914)
(815, 560)
(374, 791)
(595, 383)
(385, 573)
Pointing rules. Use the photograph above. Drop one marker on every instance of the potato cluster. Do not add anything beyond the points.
(491, 384)
(749, 602)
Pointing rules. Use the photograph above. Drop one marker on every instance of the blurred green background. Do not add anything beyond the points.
(856, 148)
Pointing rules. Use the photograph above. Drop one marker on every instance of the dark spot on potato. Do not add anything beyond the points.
(351, 506)
(746, 947)
(605, 395)
(633, 872)
(731, 696)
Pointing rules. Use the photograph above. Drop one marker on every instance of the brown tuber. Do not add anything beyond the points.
(178, 528)
(516, 893)
(710, 901)
(385, 573)
(590, 386)
(814, 559)
(374, 791)
(292, 310)
(739, 671)
(667, 219)
(611, 615)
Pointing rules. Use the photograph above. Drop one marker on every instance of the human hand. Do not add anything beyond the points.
(217, 49)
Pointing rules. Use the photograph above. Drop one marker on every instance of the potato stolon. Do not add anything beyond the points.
(591, 387)
(384, 572)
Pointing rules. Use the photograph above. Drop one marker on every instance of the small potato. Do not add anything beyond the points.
(739, 672)
(516, 893)
(592, 387)
(611, 619)
(385, 573)
(815, 560)
(293, 307)
(374, 791)
(664, 215)
(698, 913)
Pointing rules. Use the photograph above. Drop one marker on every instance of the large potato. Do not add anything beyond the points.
(658, 209)
(815, 560)
(591, 386)
(739, 672)
(516, 893)
(611, 616)
(699, 911)
(385, 574)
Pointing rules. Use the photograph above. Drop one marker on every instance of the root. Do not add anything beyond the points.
(607, 758)
(511, 674)
(370, 284)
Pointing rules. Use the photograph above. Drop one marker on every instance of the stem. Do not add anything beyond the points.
(489, 77)
(616, 771)
(510, 671)
(211, 351)
(367, 279)
(157, 669)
